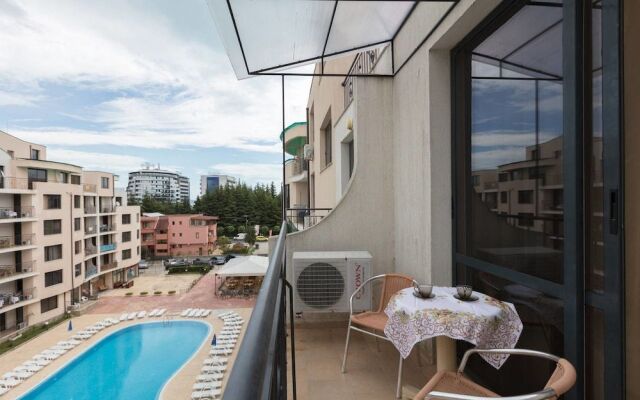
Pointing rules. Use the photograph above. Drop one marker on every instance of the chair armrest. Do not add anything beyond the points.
(541, 395)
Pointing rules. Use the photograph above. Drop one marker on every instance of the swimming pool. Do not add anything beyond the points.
(132, 363)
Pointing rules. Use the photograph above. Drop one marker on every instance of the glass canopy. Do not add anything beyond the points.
(267, 36)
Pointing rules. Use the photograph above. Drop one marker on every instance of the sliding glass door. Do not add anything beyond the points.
(537, 188)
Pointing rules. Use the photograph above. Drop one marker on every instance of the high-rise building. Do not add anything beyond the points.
(158, 183)
(65, 234)
(209, 183)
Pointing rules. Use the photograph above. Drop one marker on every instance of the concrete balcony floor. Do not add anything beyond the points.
(371, 368)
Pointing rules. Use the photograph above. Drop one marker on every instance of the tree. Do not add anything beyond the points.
(230, 230)
(251, 237)
(241, 229)
(276, 230)
(264, 230)
(223, 241)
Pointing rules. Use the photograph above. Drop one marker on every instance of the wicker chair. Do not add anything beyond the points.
(369, 322)
(449, 385)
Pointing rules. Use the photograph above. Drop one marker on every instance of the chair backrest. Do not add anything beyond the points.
(563, 378)
(391, 284)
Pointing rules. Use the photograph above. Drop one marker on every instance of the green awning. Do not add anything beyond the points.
(291, 127)
(294, 146)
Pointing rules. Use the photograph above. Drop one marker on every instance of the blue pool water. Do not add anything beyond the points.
(132, 363)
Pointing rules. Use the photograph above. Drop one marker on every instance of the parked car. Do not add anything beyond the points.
(240, 236)
(143, 264)
(176, 262)
(228, 257)
(218, 260)
(197, 261)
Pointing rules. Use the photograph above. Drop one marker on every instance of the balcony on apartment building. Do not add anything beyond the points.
(107, 228)
(90, 250)
(16, 212)
(90, 228)
(90, 270)
(8, 183)
(296, 170)
(89, 188)
(15, 271)
(104, 248)
(300, 218)
(107, 208)
(12, 299)
(15, 241)
(108, 266)
(89, 209)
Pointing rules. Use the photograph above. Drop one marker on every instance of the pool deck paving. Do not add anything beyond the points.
(179, 387)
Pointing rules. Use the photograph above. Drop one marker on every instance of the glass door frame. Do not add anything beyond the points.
(577, 114)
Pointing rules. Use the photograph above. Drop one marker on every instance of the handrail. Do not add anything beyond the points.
(259, 371)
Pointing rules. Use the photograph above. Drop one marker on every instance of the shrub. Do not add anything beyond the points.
(129, 294)
(275, 230)
(223, 241)
(157, 292)
(144, 293)
(171, 292)
(264, 230)
(200, 269)
(242, 229)
(230, 230)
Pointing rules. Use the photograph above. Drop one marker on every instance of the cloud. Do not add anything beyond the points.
(116, 163)
(251, 173)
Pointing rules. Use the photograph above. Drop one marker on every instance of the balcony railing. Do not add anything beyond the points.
(296, 166)
(16, 240)
(107, 247)
(10, 182)
(90, 250)
(89, 188)
(108, 266)
(260, 369)
(7, 271)
(89, 209)
(90, 229)
(107, 227)
(16, 212)
(90, 270)
(363, 64)
(107, 208)
(303, 218)
(9, 299)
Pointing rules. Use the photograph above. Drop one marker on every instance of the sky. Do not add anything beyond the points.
(111, 84)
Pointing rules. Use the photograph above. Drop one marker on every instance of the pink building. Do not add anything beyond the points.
(178, 235)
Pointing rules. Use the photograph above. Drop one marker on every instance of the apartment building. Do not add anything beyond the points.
(487, 150)
(178, 235)
(64, 235)
(160, 184)
(211, 182)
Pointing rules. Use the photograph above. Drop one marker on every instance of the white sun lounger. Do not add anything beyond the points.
(207, 385)
(3, 389)
(10, 382)
(39, 362)
(28, 367)
(224, 314)
(81, 336)
(207, 313)
(220, 352)
(185, 312)
(131, 316)
(153, 312)
(192, 313)
(215, 361)
(206, 394)
(214, 368)
(48, 356)
(161, 312)
(196, 313)
(209, 377)
(142, 314)
(123, 317)
(23, 375)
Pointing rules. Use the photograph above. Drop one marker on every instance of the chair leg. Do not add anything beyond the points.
(399, 387)
(346, 349)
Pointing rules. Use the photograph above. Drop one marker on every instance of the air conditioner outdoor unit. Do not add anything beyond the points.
(324, 281)
(307, 152)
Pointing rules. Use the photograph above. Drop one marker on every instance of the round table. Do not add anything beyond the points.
(487, 323)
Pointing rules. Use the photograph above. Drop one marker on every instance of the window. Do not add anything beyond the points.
(36, 175)
(52, 226)
(504, 197)
(180, 222)
(64, 177)
(138, 234)
(173, 222)
(52, 201)
(126, 254)
(76, 201)
(197, 235)
(525, 219)
(503, 177)
(126, 237)
(53, 278)
(77, 270)
(53, 252)
(126, 218)
(35, 154)
(138, 250)
(77, 246)
(48, 304)
(75, 179)
(180, 234)
(104, 182)
(525, 196)
(327, 140)
(77, 224)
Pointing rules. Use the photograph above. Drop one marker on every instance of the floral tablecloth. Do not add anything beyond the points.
(487, 323)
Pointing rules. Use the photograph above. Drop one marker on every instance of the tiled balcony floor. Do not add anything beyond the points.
(371, 373)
